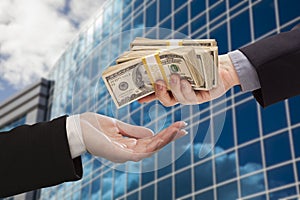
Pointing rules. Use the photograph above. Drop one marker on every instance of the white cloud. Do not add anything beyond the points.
(34, 33)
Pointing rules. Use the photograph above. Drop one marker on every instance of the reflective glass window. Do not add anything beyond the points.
(205, 195)
(133, 196)
(151, 15)
(246, 122)
(250, 158)
(200, 147)
(294, 105)
(183, 183)
(106, 185)
(225, 140)
(185, 158)
(197, 6)
(199, 22)
(275, 155)
(280, 176)
(148, 192)
(164, 189)
(217, 10)
(203, 175)
(262, 25)
(296, 140)
(240, 36)
(288, 10)
(225, 167)
(85, 192)
(119, 183)
(281, 194)
(164, 8)
(95, 191)
(138, 21)
(181, 17)
(132, 181)
(273, 117)
(252, 184)
(228, 191)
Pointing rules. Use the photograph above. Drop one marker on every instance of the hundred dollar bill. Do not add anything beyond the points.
(140, 43)
(134, 79)
(208, 59)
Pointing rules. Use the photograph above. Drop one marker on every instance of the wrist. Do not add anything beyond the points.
(74, 134)
(226, 63)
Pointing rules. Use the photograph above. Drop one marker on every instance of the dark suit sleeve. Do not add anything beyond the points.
(277, 63)
(36, 156)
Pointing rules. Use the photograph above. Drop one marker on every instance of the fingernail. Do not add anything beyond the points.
(184, 132)
(185, 123)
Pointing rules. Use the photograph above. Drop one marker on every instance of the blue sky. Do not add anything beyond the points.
(34, 34)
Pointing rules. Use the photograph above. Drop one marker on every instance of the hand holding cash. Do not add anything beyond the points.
(182, 91)
(152, 68)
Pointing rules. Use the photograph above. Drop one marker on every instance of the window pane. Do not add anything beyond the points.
(225, 140)
(240, 36)
(197, 6)
(275, 155)
(119, 183)
(183, 183)
(262, 25)
(228, 191)
(107, 185)
(203, 175)
(280, 176)
(282, 193)
(134, 196)
(273, 118)
(181, 17)
(151, 15)
(148, 192)
(250, 158)
(205, 195)
(164, 8)
(225, 167)
(288, 10)
(164, 189)
(252, 184)
(246, 122)
(296, 140)
(294, 104)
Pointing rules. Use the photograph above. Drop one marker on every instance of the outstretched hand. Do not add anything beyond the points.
(120, 142)
(182, 91)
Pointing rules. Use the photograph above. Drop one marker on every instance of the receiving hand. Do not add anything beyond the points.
(182, 91)
(120, 142)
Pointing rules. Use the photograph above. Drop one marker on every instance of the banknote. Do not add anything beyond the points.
(135, 78)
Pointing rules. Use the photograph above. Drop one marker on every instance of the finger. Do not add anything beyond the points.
(133, 131)
(176, 88)
(203, 96)
(180, 134)
(147, 99)
(163, 95)
(165, 137)
(188, 92)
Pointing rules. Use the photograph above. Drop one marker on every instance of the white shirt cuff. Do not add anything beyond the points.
(245, 70)
(74, 134)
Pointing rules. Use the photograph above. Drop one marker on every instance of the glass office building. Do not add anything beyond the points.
(257, 154)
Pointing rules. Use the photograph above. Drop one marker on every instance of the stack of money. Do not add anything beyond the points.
(150, 60)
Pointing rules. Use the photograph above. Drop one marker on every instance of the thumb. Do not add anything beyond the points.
(133, 131)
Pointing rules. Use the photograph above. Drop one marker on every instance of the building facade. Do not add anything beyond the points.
(256, 151)
(26, 107)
